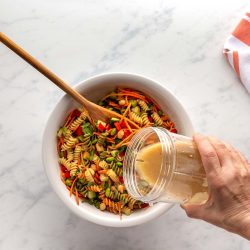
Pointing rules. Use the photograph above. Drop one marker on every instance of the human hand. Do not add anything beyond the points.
(228, 176)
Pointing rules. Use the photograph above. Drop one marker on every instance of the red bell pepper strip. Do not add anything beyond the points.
(67, 174)
(144, 205)
(101, 127)
(126, 133)
(79, 131)
(76, 113)
(63, 168)
(108, 127)
(118, 126)
(173, 130)
(121, 179)
(123, 125)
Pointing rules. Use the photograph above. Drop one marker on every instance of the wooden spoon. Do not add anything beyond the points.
(96, 112)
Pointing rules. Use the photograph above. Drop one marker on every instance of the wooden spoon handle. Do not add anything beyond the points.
(41, 68)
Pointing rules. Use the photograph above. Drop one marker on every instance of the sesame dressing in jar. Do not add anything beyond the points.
(163, 166)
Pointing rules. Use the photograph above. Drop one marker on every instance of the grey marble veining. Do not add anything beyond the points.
(179, 43)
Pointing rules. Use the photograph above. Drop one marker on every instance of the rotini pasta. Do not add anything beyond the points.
(157, 119)
(111, 173)
(70, 143)
(70, 154)
(101, 139)
(77, 153)
(143, 105)
(89, 175)
(65, 163)
(74, 125)
(144, 117)
(94, 188)
(103, 164)
(117, 170)
(136, 118)
(73, 168)
(91, 152)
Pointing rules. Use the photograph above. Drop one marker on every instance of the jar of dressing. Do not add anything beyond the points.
(163, 166)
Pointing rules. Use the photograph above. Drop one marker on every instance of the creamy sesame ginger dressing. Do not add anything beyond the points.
(188, 181)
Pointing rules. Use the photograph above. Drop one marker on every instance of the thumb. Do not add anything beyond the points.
(193, 211)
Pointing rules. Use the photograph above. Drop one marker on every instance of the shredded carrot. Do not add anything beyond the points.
(97, 133)
(154, 109)
(110, 140)
(97, 166)
(164, 117)
(77, 198)
(112, 104)
(125, 112)
(126, 99)
(71, 189)
(129, 128)
(122, 142)
(127, 94)
(104, 171)
(58, 146)
(69, 118)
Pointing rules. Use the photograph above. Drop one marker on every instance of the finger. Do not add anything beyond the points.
(224, 154)
(237, 159)
(208, 155)
(243, 159)
(193, 211)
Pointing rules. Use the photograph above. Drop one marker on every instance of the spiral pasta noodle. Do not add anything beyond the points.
(101, 139)
(70, 154)
(136, 118)
(131, 202)
(144, 117)
(89, 175)
(64, 162)
(70, 143)
(74, 125)
(117, 170)
(116, 195)
(113, 176)
(126, 210)
(103, 164)
(157, 119)
(143, 105)
(86, 140)
(77, 153)
(94, 188)
(73, 168)
(111, 204)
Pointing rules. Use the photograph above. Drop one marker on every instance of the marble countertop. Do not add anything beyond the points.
(179, 43)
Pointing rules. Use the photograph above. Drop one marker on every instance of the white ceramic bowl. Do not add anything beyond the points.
(93, 89)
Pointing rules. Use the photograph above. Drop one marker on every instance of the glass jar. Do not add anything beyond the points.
(163, 166)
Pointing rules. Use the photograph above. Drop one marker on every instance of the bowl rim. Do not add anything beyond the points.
(161, 207)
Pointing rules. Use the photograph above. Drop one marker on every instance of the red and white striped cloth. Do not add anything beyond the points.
(237, 50)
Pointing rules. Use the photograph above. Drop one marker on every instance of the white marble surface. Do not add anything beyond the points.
(178, 43)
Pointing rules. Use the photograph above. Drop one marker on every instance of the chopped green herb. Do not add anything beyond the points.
(114, 153)
(160, 113)
(113, 132)
(110, 159)
(119, 164)
(91, 194)
(68, 182)
(107, 192)
(92, 155)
